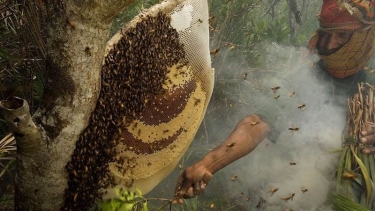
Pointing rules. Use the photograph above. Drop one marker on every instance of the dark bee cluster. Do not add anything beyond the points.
(133, 73)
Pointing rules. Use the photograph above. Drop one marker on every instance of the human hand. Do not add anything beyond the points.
(368, 139)
(191, 182)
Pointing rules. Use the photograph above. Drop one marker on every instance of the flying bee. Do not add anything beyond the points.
(366, 68)
(273, 190)
(232, 47)
(210, 19)
(301, 106)
(214, 52)
(234, 178)
(292, 163)
(277, 97)
(349, 175)
(231, 144)
(253, 123)
(244, 76)
(291, 94)
(200, 20)
(212, 205)
(260, 202)
(274, 89)
(372, 71)
(304, 190)
(293, 129)
(288, 197)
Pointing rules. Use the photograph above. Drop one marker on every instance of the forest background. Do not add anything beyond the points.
(240, 31)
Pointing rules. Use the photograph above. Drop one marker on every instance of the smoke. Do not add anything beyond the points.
(240, 91)
(320, 125)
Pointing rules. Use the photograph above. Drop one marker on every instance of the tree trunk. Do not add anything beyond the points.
(77, 36)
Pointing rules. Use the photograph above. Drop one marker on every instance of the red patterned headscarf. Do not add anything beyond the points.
(357, 16)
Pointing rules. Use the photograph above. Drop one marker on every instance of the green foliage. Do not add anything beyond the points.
(248, 24)
(342, 203)
(278, 30)
(126, 201)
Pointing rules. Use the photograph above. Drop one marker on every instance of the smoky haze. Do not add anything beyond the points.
(239, 91)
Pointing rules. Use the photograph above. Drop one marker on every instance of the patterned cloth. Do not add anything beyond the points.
(355, 16)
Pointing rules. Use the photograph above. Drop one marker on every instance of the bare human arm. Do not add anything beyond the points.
(245, 137)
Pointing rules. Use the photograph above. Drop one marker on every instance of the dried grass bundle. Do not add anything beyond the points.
(354, 188)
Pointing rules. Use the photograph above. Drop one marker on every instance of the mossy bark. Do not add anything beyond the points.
(77, 35)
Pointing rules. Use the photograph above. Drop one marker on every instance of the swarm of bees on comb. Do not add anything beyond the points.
(132, 74)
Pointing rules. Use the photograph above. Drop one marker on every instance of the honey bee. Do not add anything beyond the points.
(244, 76)
(273, 190)
(200, 21)
(291, 94)
(88, 51)
(214, 52)
(71, 24)
(231, 144)
(366, 68)
(292, 163)
(372, 71)
(212, 205)
(232, 47)
(274, 89)
(301, 106)
(234, 178)
(75, 197)
(288, 197)
(254, 123)
(248, 199)
(165, 131)
(304, 190)
(260, 202)
(277, 97)
(210, 19)
(293, 129)
(349, 175)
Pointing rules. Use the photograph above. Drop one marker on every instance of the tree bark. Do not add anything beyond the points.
(77, 36)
